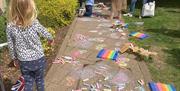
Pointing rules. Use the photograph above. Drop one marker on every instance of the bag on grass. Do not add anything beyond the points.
(148, 9)
(19, 85)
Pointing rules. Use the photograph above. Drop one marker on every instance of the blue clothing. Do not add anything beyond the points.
(133, 4)
(33, 71)
(88, 12)
(90, 2)
(24, 43)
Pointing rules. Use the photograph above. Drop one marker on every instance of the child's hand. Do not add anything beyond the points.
(51, 42)
(16, 63)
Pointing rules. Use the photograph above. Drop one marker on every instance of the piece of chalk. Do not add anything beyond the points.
(85, 80)
(107, 86)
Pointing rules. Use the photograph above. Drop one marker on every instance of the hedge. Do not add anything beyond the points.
(56, 13)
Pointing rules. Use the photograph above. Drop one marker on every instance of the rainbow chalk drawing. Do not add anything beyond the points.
(108, 54)
(161, 87)
(138, 35)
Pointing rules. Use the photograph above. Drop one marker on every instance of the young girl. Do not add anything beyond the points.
(23, 30)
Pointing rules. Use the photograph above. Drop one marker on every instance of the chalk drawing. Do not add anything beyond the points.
(85, 19)
(100, 33)
(83, 51)
(114, 36)
(118, 44)
(82, 41)
(107, 25)
(100, 46)
(120, 78)
(93, 31)
(70, 81)
(99, 40)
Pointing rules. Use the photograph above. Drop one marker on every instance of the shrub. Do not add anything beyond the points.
(48, 48)
(56, 13)
(2, 29)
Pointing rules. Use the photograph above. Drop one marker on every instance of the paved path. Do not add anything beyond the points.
(84, 40)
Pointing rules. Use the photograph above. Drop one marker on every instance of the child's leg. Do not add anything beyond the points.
(28, 75)
(88, 10)
(39, 74)
(33, 70)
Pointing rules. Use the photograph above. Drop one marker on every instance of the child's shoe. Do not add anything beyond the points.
(81, 12)
(127, 14)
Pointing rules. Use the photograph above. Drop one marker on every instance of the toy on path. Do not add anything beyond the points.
(108, 54)
(136, 49)
(119, 25)
(19, 85)
(161, 87)
(139, 35)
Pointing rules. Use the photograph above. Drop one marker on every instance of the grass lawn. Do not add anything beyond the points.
(164, 31)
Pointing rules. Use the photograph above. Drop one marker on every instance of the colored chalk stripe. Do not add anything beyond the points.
(115, 56)
(110, 54)
(100, 53)
(104, 56)
(166, 88)
(152, 86)
(163, 87)
(159, 86)
(173, 88)
(132, 34)
(143, 36)
(138, 35)
(169, 87)
(135, 34)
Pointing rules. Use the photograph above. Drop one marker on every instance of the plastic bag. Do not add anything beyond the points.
(148, 9)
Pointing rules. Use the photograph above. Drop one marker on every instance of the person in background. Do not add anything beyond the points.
(80, 3)
(124, 5)
(23, 30)
(89, 8)
(117, 7)
(2, 6)
(132, 7)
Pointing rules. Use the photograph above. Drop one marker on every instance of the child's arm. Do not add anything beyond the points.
(10, 44)
(43, 31)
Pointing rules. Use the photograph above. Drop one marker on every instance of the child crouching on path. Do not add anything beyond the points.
(23, 30)
(89, 8)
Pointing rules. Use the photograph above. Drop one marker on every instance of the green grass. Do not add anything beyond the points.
(164, 31)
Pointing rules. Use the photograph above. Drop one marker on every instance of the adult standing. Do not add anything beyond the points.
(133, 5)
(117, 7)
(2, 5)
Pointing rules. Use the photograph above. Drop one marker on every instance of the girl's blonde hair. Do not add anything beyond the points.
(22, 12)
